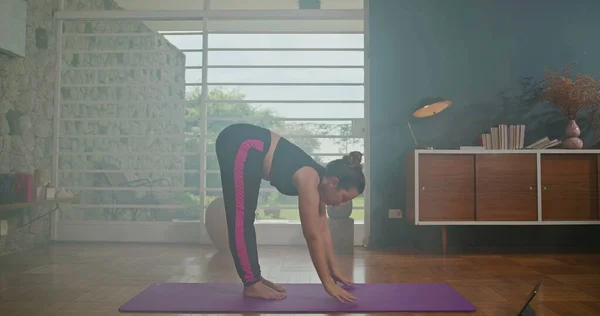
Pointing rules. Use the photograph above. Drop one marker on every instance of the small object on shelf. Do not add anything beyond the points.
(504, 137)
(37, 174)
(544, 143)
(7, 195)
(63, 193)
(472, 148)
(573, 141)
(23, 187)
(50, 192)
(41, 193)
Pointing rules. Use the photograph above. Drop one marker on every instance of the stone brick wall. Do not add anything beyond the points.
(27, 95)
(27, 89)
(145, 69)
(125, 84)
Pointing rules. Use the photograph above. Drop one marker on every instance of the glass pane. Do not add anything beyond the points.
(313, 144)
(193, 93)
(328, 128)
(176, 25)
(98, 206)
(298, 93)
(324, 128)
(111, 76)
(337, 41)
(77, 5)
(282, 4)
(117, 111)
(339, 138)
(273, 205)
(185, 41)
(296, 26)
(311, 110)
(193, 76)
(212, 164)
(286, 75)
(274, 58)
(129, 27)
(193, 59)
(279, 110)
(105, 41)
(328, 145)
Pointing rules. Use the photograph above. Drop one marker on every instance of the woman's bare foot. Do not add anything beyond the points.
(272, 285)
(259, 290)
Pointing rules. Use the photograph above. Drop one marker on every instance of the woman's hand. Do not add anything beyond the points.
(338, 277)
(331, 260)
(339, 293)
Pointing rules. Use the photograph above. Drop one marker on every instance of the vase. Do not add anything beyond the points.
(573, 141)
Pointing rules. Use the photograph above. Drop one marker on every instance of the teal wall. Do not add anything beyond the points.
(486, 56)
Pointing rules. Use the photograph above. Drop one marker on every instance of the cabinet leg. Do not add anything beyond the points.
(444, 236)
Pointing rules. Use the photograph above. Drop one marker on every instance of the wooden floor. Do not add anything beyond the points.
(95, 279)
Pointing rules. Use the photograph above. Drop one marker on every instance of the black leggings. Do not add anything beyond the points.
(240, 150)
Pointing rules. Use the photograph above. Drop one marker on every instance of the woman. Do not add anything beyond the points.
(247, 154)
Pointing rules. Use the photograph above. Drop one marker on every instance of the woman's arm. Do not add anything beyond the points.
(327, 237)
(331, 258)
(307, 183)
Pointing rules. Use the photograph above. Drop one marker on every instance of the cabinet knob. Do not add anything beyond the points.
(545, 188)
(530, 188)
(423, 188)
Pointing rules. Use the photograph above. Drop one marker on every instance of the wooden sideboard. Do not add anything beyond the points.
(503, 187)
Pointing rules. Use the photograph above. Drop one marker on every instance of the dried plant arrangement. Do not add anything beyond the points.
(568, 94)
(571, 96)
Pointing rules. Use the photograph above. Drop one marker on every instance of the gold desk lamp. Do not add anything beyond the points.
(426, 108)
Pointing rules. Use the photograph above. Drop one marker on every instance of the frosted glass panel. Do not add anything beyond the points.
(13, 17)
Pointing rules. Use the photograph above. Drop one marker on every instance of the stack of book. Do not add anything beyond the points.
(544, 143)
(504, 137)
(512, 137)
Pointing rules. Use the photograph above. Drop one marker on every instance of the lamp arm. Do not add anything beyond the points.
(411, 133)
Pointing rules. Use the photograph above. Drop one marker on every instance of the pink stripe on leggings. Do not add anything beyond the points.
(240, 242)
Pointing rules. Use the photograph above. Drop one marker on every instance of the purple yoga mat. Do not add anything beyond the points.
(301, 298)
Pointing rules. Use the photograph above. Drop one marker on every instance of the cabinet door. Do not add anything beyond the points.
(506, 187)
(569, 187)
(446, 187)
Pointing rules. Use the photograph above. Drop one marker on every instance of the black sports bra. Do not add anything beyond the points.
(287, 159)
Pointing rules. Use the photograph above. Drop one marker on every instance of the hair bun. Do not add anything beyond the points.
(353, 159)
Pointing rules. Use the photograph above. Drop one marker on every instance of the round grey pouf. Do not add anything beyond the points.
(341, 211)
(216, 224)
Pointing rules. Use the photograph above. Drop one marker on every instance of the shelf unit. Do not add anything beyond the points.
(503, 187)
(24, 205)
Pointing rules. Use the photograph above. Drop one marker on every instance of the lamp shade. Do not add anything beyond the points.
(431, 106)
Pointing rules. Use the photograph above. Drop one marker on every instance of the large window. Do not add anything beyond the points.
(306, 86)
(144, 95)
